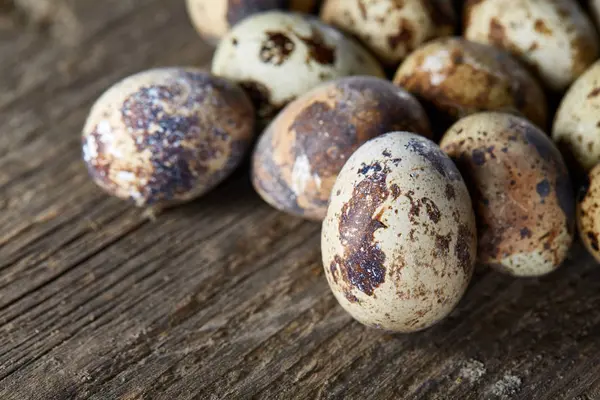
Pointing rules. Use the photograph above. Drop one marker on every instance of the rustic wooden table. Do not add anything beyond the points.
(225, 297)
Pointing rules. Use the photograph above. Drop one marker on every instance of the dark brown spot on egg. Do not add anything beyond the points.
(362, 263)
(404, 36)
(541, 27)
(462, 248)
(593, 238)
(449, 192)
(525, 233)
(276, 49)
(496, 33)
(318, 50)
(442, 244)
(432, 210)
(595, 92)
(543, 188)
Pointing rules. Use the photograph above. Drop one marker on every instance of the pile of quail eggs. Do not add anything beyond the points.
(459, 158)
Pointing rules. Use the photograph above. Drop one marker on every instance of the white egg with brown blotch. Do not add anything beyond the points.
(554, 37)
(279, 56)
(588, 213)
(399, 239)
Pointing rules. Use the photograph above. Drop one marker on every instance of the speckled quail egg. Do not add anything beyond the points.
(391, 29)
(554, 37)
(455, 77)
(399, 239)
(166, 136)
(214, 18)
(588, 213)
(577, 123)
(300, 154)
(278, 56)
(521, 192)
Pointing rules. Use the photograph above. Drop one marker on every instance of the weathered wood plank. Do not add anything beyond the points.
(224, 297)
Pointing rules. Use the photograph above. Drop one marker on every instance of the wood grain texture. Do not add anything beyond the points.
(224, 297)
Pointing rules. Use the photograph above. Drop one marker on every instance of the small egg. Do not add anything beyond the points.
(554, 37)
(300, 154)
(456, 77)
(588, 213)
(520, 189)
(391, 29)
(278, 56)
(577, 123)
(214, 18)
(399, 239)
(166, 136)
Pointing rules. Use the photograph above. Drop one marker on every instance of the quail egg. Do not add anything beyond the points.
(554, 37)
(577, 123)
(214, 18)
(456, 77)
(521, 192)
(167, 135)
(399, 239)
(300, 154)
(588, 213)
(391, 29)
(278, 56)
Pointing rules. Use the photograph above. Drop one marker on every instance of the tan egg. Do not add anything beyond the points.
(166, 136)
(214, 18)
(456, 77)
(298, 157)
(576, 126)
(588, 213)
(554, 37)
(391, 29)
(278, 56)
(399, 239)
(520, 189)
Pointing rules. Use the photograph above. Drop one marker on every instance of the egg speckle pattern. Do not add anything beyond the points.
(554, 37)
(399, 239)
(278, 56)
(521, 192)
(298, 157)
(166, 135)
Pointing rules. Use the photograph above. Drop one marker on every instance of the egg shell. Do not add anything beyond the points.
(391, 29)
(457, 78)
(554, 37)
(298, 157)
(576, 127)
(214, 18)
(166, 136)
(521, 192)
(278, 56)
(588, 213)
(399, 239)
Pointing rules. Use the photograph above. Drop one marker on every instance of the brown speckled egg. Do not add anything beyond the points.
(214, 18)
(577, 123)
(554, 37)
(520, 189)
(391, 29)
(399, 239)
(588, 213)
(456, 77)
(278, 56)
(166, 136)
(300, 154)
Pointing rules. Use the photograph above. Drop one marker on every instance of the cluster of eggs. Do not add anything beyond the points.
(407, 206)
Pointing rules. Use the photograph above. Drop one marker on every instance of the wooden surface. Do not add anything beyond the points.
(225, 297)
